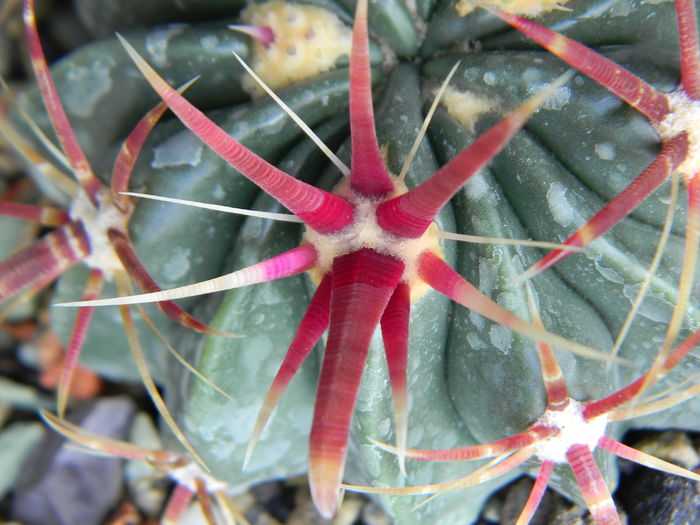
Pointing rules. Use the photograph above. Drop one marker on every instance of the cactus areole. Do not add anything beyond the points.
(375, 247)
(370, 241)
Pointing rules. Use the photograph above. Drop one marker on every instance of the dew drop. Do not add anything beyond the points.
(559, 206)
(209, 42)
(181, 148)
(157, 43)
(605, 150)
(178, 264)
(88, 85)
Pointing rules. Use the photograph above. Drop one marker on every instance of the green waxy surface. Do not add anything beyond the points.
(15, 234)
(493, 375)
(398, 120)
(266, 315)
(17, 441)
(593, 22)
(545, 183)
(391, 21)
(181, 245)
(104, 94)
(104, 19)
(470, 380)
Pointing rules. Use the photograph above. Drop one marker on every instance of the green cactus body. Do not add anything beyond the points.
(470, 380)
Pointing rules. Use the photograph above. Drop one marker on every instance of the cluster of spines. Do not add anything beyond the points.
(385, 296)
(677, 153)
(549, 439)
(33, 268)
(367, 288)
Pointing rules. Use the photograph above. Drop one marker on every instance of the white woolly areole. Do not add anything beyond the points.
(573, 430)
(188, 474)
(684, 116)
(96, 222)
(364, 232)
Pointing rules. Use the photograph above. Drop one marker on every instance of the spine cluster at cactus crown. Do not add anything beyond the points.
(469, 358)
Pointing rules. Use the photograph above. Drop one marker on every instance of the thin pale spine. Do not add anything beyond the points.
(37, 161)
(285, 217)
(486, 450)
(296, 118)
(688, 382)
(492, 470)
(690, 258)
(105, 445)
(478, 239)
(311, 328)
(495, 468)
(231, 515)
(441, 277)
(292, 262)
(368, 174)
(410, 214)
(123, 248)
(644, 408)
(178, 357)
(320, 210)
(123, 286)
(66, 136)
(93, 288)
(672, 154)
(653, 265)
(164, 460)
(426, 122)
(647, 460)
(671, 396)
(6, 127)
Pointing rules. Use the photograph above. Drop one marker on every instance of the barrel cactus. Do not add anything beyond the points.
(472, 374)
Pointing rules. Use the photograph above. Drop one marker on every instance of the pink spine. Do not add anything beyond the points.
(368, 175)
(690, 58)
(593, 488)
(39, 264)
(617, 79)
(362, 284)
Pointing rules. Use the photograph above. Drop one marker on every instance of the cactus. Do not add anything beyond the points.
(470, 380)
